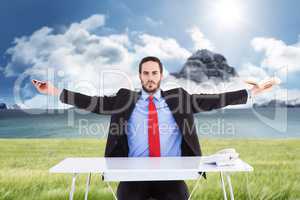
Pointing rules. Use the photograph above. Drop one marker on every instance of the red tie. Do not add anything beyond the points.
(153, 131)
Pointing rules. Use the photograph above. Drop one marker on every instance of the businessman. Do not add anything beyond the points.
(151, 122)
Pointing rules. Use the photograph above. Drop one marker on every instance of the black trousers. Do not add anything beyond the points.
(158, 190)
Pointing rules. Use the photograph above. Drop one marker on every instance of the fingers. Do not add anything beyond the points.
(38, 83)
(267, 86)
(272, 81)
(251, 82)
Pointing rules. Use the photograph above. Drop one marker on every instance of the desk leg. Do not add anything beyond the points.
(112, 191)
(109, 186)
(196, 185)
(88, 181)
(230, 186)
(73, 187)
(223, 186)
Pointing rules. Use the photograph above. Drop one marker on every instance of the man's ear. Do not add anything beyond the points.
(140, 76)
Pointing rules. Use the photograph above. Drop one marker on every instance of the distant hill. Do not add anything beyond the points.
(276, 103)
(3, 106)
(15, 107)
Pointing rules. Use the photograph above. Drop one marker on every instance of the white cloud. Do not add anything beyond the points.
(200, 41)
(43, 102)
(87, 62)
(91, 23)
(248, 71)
(277, 53)
(278, 60)
(164, 48)
(95, 65)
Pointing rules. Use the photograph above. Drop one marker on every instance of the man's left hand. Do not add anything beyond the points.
(262, 87)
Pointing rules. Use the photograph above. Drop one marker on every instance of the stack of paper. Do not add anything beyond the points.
(224, 157)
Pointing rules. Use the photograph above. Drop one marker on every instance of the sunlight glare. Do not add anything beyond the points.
(228, 12)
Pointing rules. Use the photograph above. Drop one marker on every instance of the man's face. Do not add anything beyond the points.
(150, 76)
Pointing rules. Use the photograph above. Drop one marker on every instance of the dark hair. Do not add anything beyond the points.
(150, 58)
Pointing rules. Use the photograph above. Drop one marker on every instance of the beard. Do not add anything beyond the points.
(151, 90)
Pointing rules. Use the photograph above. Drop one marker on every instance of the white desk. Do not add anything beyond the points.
(146, 169)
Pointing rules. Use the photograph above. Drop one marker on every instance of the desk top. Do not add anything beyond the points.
(145, 168)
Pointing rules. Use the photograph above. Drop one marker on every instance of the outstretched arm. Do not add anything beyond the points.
(207, 102)
(96, 104)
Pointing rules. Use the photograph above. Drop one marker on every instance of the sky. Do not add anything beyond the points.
(75, 43)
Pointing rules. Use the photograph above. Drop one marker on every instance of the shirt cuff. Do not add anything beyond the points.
(250, 97)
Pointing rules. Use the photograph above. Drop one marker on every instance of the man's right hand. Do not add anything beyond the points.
(45, 87)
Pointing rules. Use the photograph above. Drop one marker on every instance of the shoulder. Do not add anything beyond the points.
(178, 90)
(125, 91)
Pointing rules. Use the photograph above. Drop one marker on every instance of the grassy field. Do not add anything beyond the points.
(24, 165)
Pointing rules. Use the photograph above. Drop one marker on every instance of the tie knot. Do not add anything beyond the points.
(151, 98)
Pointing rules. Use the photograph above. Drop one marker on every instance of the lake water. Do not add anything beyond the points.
(225, 123)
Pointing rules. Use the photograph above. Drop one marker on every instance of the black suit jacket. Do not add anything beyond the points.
(182, 105)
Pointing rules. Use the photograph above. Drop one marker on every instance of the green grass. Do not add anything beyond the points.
(24, 165)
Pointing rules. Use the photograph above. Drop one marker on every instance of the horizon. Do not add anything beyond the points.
(79, 44)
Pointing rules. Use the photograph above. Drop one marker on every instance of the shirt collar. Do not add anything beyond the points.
(156, 95)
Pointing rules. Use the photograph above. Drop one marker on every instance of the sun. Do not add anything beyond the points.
(228, 13)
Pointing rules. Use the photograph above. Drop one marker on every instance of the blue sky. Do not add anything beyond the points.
(250, 36)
